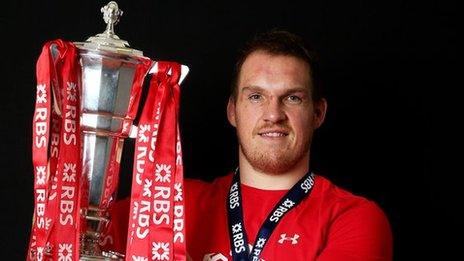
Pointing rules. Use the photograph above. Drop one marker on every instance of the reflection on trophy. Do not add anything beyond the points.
(108, 107)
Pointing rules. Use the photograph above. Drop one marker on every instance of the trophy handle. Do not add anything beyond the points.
(184, 70)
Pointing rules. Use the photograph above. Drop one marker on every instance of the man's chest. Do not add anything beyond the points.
(294, 238)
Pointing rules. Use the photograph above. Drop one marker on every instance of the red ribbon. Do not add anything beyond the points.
(56, 158)
(156, 221)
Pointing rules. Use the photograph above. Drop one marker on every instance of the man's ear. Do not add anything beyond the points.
(231, 111)
(320, 110)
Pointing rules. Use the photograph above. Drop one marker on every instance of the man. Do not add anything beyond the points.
(273, 205)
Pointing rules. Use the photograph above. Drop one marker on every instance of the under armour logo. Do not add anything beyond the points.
(294, 239)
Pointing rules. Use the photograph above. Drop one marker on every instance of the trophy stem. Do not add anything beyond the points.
(101, 157)
(89, 241)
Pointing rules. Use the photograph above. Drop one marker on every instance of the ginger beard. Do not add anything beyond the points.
(275, 157)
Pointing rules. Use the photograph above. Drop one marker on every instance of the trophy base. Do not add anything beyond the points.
(106, 256)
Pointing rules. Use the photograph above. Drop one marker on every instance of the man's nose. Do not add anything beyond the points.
(274, 111)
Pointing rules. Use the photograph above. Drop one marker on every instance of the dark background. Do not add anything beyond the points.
(389, 69)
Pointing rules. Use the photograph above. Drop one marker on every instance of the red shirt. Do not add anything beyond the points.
(330, 224)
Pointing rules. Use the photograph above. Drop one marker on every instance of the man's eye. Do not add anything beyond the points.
(294, 99)
(255, 97)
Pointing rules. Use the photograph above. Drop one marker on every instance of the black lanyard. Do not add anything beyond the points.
(238, 239)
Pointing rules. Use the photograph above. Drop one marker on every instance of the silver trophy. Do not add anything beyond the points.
(108, 71)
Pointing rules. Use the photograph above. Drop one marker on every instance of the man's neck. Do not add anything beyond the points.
(269, 181)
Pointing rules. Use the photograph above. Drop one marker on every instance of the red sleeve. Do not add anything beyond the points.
(116, 236)
(193, 207)
(361, 233)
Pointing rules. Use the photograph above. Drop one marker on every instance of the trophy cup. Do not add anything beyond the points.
(108, 70)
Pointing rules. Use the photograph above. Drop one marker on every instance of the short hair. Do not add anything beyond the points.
(279, 42)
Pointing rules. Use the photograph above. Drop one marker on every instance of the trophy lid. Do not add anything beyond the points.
(108, 41)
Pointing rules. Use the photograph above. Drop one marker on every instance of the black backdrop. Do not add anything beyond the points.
(387, 67)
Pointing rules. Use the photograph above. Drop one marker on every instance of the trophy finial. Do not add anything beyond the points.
(108, 40)
(111, 16)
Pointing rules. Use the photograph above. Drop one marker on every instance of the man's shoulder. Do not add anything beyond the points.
(353, 221)
(331, 192)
